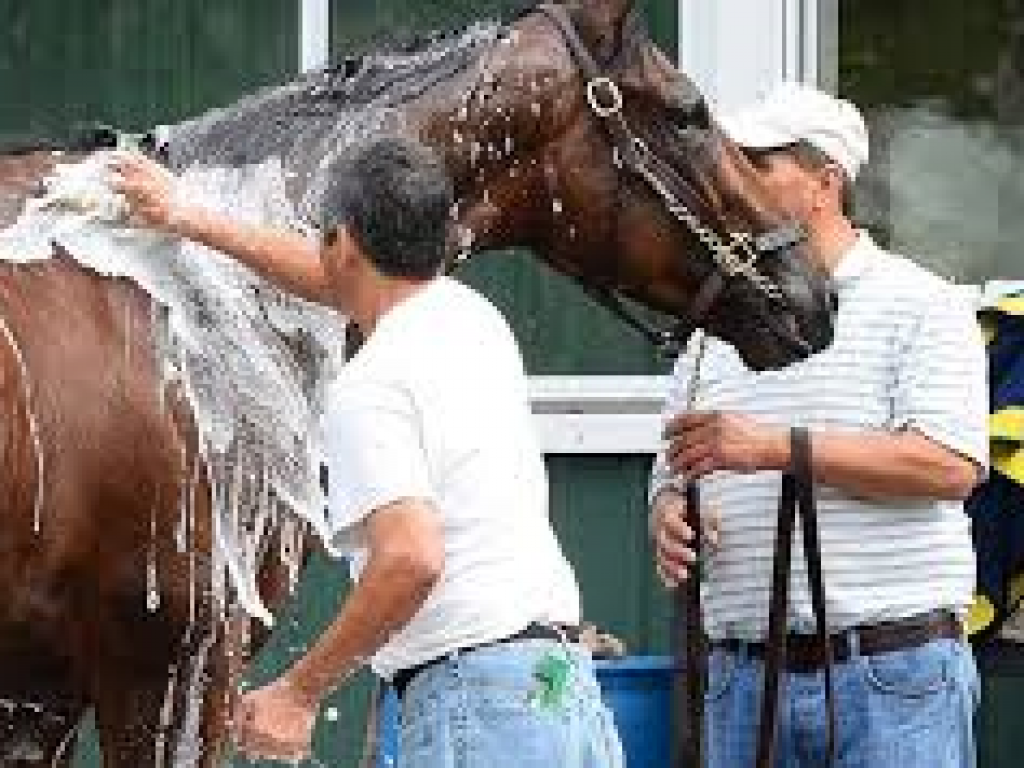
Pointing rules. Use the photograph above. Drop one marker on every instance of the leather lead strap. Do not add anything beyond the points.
(797, 496)
(690, 749)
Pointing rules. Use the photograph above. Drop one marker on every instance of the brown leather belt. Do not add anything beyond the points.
(534, 631)
(806, 653)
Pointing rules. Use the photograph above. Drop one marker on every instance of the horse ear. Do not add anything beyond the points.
(614, 29)
(600, 23)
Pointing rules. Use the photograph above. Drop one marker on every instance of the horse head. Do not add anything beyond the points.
(591, 169)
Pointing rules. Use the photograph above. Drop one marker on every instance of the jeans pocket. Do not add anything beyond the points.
(911, 674)
(721, 674)
(914, 713)
(508, 729)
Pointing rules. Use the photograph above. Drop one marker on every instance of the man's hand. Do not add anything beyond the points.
(149, 189)
(275, 722)
(701, 442)
(673, 537)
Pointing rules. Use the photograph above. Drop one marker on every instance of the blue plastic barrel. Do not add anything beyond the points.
(637, 689)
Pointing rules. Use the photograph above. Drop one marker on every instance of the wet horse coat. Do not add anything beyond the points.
(96, 457)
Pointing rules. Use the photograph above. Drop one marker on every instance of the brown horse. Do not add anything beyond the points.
(94, 461)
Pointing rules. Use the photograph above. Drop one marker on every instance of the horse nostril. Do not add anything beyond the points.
(833, 301)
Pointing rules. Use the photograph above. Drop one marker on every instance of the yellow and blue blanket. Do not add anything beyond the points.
(997, 507)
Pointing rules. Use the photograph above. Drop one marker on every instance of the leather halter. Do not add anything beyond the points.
(733, 255)
(797, 496)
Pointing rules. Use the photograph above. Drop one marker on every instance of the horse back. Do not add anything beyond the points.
(98, 453)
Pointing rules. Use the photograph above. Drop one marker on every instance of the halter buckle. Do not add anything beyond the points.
(611, 91)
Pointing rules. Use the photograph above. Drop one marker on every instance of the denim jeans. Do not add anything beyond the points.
(906, 709)
(480, 710)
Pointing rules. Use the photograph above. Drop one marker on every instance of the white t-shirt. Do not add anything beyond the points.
(435, 406)
(907, 353)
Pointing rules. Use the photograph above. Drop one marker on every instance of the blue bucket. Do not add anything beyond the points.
(637, 689)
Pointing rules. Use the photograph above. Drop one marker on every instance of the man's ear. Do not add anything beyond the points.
(832, 183)
(340, 248)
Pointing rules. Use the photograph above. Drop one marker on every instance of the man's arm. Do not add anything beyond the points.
(286, 259)
(905, 464)
(870, 465)
(406, 560)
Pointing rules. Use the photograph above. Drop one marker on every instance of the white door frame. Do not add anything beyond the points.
(734, 62)
(314, 34)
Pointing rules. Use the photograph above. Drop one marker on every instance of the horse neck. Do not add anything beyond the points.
(496, 132)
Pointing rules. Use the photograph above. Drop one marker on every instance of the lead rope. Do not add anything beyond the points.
(689, 752)
(797, 497)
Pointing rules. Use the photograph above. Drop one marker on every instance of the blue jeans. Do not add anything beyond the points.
(479, 710)
(905, 709)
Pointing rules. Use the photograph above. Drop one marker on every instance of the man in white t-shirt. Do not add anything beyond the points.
(896, 410)
(463, 598)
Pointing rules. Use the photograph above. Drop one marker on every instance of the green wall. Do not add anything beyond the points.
(133, 63)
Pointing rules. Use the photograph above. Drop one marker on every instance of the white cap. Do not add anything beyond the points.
(794, 112)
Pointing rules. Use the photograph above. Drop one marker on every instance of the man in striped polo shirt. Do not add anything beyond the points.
(896, 410)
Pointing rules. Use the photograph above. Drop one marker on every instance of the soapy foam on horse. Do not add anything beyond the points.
(252, 362)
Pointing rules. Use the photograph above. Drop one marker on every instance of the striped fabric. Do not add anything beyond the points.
(907, 353)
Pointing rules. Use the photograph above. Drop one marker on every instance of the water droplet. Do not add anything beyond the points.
(331, 714)
(556, 206)
(535, 108)
(152, 587)
(152, 600)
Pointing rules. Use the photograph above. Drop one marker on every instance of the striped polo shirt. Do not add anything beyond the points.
(907, 354)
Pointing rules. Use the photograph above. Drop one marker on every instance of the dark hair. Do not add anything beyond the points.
(394, 197)
(808, 157)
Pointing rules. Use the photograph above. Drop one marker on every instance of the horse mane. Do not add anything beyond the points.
(304, 115)
(385, 64)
